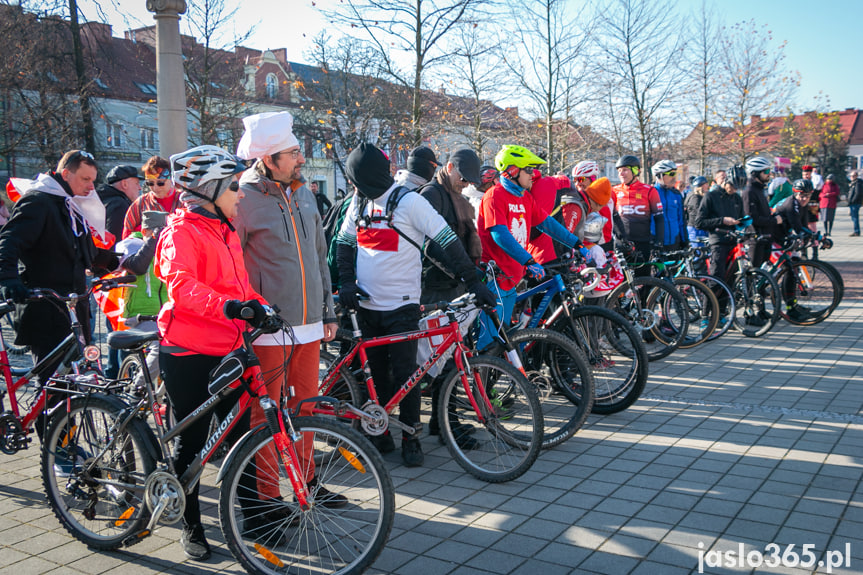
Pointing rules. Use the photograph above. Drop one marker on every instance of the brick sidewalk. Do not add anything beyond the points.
(746, 441)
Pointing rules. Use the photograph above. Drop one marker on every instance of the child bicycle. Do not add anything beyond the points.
(123, 482)
(31, 402)
(484, 397)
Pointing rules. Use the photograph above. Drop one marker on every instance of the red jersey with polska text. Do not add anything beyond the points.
(637, 204)
(519, 215)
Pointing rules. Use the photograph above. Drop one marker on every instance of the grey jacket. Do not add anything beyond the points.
(284, 248)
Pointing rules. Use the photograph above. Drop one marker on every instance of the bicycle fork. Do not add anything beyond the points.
(286, 448)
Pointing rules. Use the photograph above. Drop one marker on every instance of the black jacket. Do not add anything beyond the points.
(755, 204)
(116, 204)
(855, 192)
(718, 204)
(794, 219)
(38, 244)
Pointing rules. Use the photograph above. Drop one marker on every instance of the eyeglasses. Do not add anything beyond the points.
(670, 174)
(151, 183)
(587, 179)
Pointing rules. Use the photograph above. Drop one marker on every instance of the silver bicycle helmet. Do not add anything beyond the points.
(194, 168)
(585, 169)
(663, 166)
(593, 225)
(757, 164)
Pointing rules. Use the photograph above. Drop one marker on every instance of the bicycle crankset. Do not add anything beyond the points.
(12, 436)
(165, 498)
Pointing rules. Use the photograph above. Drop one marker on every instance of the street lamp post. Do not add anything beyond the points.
(170, 79)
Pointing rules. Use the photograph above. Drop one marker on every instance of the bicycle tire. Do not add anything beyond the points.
(99, 515)
(815, 287)
(662, 319)
(836, 274)
(9, 335)
(723, 294)
(615, 352)
(507, 432)
(343, 387)
(702, 308)
(562, 378)
(758, 302)
(320, 539)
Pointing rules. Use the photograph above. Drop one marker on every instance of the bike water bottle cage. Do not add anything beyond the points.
(228, 371)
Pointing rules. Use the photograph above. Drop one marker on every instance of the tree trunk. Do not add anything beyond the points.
(81, 79)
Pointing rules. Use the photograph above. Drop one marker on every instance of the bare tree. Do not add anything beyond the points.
(638, 59)
(397, 28)
(215, 91)
(546, 62)
(756, 83)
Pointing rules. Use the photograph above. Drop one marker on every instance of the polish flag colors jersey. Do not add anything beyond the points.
(637, 204)
(519, 215)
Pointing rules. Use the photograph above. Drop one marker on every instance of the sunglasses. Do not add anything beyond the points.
(234, 186)
(151, 183)
(82, 154)
(670, 174)
(583, 179)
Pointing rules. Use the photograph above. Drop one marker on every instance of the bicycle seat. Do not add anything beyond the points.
(131, 339)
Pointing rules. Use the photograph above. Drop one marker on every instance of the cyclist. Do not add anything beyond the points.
(507, 217)
(200, 260)
(640, 208)
(721, 210)
(379, 252)
(794, 214)
(420, 168)
(755, 205)
(585, 199)
(697, 237)
(675, 234)
(161, 197)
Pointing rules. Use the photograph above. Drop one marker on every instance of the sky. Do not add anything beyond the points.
(823, 37)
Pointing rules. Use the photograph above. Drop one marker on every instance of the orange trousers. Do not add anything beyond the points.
(301, 373)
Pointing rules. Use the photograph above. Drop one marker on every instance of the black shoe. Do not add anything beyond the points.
(434, 427)
(854, 235)
(799, 313)
(384, 443)
(756, 321)
(412, 452)
(462, 434)
(326, 498)
(194, 543)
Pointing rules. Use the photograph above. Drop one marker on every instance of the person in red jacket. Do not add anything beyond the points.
(827, 202)
(640, 209)
(200, 260)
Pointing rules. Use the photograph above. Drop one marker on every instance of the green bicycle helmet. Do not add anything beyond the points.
(517, 156)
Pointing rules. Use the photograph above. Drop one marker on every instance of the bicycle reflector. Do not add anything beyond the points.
(92, 353)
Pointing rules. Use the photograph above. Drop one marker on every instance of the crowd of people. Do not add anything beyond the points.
(216, 232)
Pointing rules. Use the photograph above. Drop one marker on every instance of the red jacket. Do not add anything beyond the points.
(829, 195)
(545, 195)
(201, 262)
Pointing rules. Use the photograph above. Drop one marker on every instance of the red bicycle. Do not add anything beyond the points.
(485, 397)
(78, 371)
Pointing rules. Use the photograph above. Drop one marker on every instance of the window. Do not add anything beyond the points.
(115, 135)
(272, 86)
(148, 138)
(318, 149)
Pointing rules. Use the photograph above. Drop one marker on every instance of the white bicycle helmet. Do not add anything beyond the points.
(663, 166)
(593, 225)
(585, 169)
(757, 164)
(194, 168)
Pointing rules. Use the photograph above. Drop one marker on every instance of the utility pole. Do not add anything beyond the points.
(170, 79)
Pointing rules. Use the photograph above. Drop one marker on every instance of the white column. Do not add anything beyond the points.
(170, 79)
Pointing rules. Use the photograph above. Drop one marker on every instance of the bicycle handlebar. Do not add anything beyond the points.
(99, 284)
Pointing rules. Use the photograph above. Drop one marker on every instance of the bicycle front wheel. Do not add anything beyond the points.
(562, 378)
(727, 307)
(497, 409)
(94, 474)
(275, 536)
(756, 296)
(814, 289)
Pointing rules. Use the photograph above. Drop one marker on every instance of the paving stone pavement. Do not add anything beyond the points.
(743, 441)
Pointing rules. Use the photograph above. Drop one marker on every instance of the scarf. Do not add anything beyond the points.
(85, 212)
(511, 187)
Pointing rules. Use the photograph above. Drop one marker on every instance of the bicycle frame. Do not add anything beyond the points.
(451, 337)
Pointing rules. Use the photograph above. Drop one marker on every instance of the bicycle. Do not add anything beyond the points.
(810, 290)
(756, 293)
(720, 289)
(702, 306)
(78, 371)
(484, 397)
(123, 482)
(611, 345)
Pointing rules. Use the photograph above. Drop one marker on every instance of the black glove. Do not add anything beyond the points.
(234, 310)
(14, 289)
(484, 296)
(349, 295)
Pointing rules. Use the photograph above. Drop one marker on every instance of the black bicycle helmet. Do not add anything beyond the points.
(628, 162)
(736, 176)
(802, 185)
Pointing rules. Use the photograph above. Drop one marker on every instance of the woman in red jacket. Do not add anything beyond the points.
(200, 260)
(827, 202)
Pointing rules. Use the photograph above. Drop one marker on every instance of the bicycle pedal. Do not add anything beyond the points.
(135, 537)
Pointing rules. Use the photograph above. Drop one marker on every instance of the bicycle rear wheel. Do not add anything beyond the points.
(756, 296)
(94, 474)
(813, 287)
(321, 539)
(562, 378)
(727, 307)
(506, 424)
(702, 308)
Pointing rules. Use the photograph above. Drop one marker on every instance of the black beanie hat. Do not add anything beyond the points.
(369, 170)
(422, 162)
